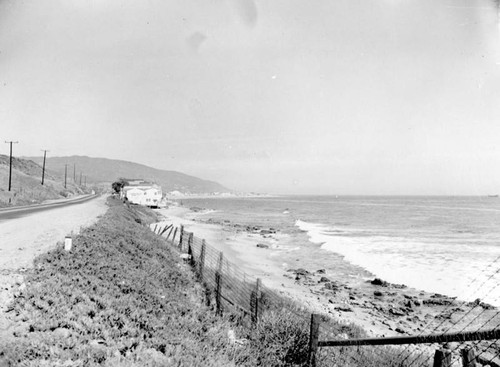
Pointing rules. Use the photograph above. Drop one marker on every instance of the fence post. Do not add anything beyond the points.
(202, 259)
(190, 249)
(442, 358)
(173, 237)
(170, 232)
(165, 229)
(313, 340)
(180, 239)
(468, 357)
(218, 285)
(254, 302)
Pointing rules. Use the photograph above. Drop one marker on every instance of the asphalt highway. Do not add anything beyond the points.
(21, 211)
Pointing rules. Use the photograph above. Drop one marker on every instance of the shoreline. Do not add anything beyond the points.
(331, 285)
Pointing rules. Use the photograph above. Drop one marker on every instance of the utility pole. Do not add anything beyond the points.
(10, 166)
(74, 172)
(65, 174)
(43, 169)
(80, 179)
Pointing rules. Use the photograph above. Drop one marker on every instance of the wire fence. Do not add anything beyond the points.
(473, 339)
(227, 286)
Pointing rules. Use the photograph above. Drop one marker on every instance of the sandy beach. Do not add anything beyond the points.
(344, 291)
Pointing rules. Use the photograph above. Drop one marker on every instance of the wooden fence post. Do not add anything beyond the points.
(165, 229)
(468, 357)
(202, 259)
(173, 237)
(190, 249)
(180, 239)
(218, 285)
(170, 232)
(442, 358)
(313, 340)
(220, 261)
(254, 302)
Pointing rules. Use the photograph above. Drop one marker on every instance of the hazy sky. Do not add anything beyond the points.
(290, 96)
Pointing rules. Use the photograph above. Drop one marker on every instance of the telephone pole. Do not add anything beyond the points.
(65, 174)
(80, 179)
(10, 166)
(74, 172)
(43, 169)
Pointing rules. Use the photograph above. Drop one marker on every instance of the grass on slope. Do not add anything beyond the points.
(119, 298)
(28, 189)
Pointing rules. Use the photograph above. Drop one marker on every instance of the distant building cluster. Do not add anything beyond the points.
(141, 192)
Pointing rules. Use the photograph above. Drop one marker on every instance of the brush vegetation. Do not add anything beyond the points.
(122, 297)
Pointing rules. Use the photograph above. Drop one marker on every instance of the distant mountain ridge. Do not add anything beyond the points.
(109, 170)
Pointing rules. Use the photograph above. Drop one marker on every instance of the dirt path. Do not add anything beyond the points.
(22, 239)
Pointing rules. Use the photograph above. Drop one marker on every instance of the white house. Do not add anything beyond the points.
(152, 196)
(133, 194)
(147, 195)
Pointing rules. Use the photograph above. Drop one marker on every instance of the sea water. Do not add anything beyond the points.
(447, 245)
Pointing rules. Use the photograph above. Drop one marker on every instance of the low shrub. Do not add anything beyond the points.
(281, 338)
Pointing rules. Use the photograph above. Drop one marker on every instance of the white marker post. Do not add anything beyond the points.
(68, 241)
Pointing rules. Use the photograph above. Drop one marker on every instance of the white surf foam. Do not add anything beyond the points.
(463, 270)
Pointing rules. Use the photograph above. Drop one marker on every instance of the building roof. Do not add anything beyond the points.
(141, 187)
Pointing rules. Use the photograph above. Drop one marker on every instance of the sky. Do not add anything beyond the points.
(344, 97)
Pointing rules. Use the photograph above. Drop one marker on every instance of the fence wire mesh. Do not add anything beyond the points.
(245, 295)
(238, 290)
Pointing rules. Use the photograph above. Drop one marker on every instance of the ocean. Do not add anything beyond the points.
(446, 245)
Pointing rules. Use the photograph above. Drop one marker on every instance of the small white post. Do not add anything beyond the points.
(68, 243)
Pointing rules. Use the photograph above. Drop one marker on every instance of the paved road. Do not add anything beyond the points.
(27, 232)
(21, 211)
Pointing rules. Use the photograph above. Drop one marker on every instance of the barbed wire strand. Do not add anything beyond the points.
(475, 344)
(480, 327)
(468, 286)
(476, 305)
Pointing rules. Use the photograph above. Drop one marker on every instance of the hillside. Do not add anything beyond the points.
(26, 183)
(109, 170)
